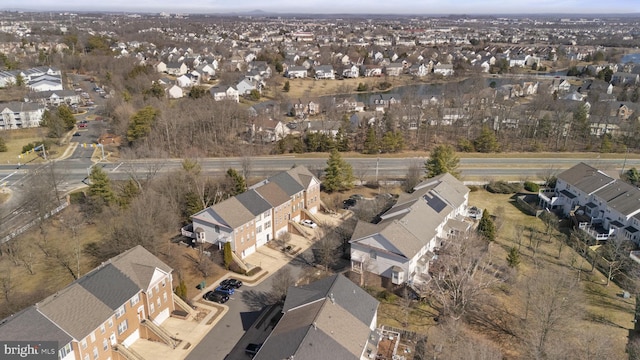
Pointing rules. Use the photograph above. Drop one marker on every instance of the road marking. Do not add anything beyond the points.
(116, 168)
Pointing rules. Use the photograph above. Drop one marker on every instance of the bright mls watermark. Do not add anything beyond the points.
(30, 350)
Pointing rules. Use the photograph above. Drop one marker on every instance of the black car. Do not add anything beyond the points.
(232, 283)
(349, 203)
(252, 349)
(216, 297)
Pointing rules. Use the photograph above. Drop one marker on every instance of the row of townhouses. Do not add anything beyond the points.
(600, 205)
(124, 299)
(260, 214)
(401, 246)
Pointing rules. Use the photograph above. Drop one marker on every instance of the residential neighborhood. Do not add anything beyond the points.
(336, 184)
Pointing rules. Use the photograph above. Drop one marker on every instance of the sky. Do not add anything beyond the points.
(416, 7)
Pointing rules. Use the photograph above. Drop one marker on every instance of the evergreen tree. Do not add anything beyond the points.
(486, 227)
(129, 191)
(442, 159)
(513, 257)
(228, 257)
(141, 122)
(3, 145)
(197, 92)
(342, 141)
(286, 86)
(486, 142)
(66, 115)
(238, 184)
(581, 122)
(371, 142)
(181, 290)
(338, 173)
(156, 90)
(100, 187)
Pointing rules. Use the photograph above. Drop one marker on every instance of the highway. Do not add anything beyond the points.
(474, 169)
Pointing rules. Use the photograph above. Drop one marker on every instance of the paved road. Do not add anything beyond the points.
(244, 308)
(76, 168)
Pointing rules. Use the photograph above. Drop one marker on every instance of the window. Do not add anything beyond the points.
(164, 297)
(110, 322)
(266, 214)
(86, 357)
(93, 337)
(164, 282)
(122, 327)
(157, 288)
(152, 308)
(373, 255)
(84, 343)
(102, 329)
(64, 351)
(95, 352)
(267, 224)
(259, 229)
(120, 311)
(134, 300)
(105, 344)
(150, 292)
(158, 302)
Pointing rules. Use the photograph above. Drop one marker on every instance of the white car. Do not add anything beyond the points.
(309, 223)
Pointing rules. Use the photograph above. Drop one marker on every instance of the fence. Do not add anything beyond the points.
(33, 222)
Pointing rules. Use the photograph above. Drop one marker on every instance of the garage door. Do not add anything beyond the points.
(164, 315)
(132, 338)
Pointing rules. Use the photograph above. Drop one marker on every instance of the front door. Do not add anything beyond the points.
(141, 313)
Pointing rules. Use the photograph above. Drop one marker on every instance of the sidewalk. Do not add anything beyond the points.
(191, 331)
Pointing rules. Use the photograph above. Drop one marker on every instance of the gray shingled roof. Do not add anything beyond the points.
(253, 202)
(621, 196)
(585, 178)
(327, 319)
(230, 213)
(110, 286)
(287, 183)
(302, 175)
(410, 224)
(31, 325)
(273, 194)
(139, 265)
(75, 310)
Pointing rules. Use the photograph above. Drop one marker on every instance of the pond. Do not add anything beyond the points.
(634, 58)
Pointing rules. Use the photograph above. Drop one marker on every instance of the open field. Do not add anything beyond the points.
(309, 87)
(16, 139)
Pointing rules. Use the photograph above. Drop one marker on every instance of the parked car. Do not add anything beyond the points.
(309, 223)
(76, 134)
(252, 349)
(348, 203)
(227, 290)
(235, 283)
(216, 297)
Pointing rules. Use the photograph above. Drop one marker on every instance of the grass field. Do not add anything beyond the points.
(16, 139)
(309, 87)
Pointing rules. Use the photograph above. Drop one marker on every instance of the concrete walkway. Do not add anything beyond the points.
(192, 330)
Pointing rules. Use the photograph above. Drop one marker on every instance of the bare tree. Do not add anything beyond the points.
(462, 274)
(414, 174)
(281, 282)
(551, 301)
(616, 255)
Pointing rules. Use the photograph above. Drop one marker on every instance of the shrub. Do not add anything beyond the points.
(531, 186)
(502, 187)
(387, 296)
